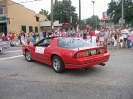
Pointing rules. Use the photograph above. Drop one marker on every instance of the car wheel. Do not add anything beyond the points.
(58, 64)
(28, 56)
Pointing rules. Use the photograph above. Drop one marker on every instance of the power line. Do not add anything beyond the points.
(24, 2)
(30, 1)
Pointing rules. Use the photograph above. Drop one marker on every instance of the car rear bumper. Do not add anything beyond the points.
(90, 62)
(3, 47)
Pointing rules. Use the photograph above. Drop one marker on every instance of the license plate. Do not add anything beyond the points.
(93, 52)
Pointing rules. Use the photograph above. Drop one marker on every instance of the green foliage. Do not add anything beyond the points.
(114, 10)
(93, 21)
(45, 13)
(83, 24)
(63, 10)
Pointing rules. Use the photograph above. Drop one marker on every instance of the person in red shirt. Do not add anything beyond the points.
(93, 37)
(10, 36)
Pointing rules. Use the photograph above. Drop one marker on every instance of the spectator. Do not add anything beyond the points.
(93, 37)
(121, 40)
(125, 36)
(23, 39)
(101, 37)
(106, 36)
(131, 44)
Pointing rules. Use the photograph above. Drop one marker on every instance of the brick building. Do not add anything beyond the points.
(16, 17)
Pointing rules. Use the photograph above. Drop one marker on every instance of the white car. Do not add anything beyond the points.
(4, 45)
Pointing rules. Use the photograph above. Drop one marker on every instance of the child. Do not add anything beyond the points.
(89, 39)
(121, 41)
(37, 38)
(28, 40)
(111, 40)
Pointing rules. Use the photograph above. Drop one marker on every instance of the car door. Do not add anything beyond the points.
(39, 50)
(47, 51)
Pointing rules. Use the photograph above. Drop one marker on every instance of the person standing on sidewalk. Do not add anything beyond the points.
(44, 33)
(101, 37)
(117, 38)
(85, 34)
(28, 39)
(129, 36)
(131, 43)
(23, 39)
(121, 40)
(125, 36)
(93, 37)
(106, 37)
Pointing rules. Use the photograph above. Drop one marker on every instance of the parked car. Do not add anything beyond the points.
(66, 53)
(4, 45)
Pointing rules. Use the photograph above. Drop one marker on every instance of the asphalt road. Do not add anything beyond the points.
(20, 79)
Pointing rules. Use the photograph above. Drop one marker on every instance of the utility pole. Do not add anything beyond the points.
(70, 19)
(52, 14)
(93, 7)
(80, 14)
(93, 15)
(122, 14)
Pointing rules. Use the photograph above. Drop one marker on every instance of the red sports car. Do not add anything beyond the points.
(64, 52)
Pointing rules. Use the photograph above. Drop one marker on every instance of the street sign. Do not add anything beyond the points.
(66, 25)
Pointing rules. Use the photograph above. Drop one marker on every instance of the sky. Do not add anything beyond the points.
(86, 6)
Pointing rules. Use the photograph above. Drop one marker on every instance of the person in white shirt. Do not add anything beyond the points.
(23, 39)
(125, 36)
(129, 36)
(106, 37)
(121, 41)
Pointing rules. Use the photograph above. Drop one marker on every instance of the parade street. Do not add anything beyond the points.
(20, 79)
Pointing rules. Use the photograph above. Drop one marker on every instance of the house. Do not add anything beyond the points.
(15, 17)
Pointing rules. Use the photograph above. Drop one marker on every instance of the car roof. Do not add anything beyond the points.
(52, 37)
(57, 37)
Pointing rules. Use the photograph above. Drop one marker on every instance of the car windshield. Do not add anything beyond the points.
(73, 43)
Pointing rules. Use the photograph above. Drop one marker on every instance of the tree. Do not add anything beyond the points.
(63, 10)
(45, 13)
(88, 21)
(83, 24)
(93, 21)
(128, 13)
(114, 10)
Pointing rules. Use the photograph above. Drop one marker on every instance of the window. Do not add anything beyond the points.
(37, 19)
(45, 42)
(23, 28)
(30, 29)
(72, 43)
(1, 10)
(36, 29)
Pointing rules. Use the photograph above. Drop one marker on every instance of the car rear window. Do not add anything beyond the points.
(73, 43)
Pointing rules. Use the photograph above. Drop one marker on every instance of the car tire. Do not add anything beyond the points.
(28, 56)
(58, 64)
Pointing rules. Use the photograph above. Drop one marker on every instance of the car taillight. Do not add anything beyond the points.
(90, 53)
(101, 51)
(104, 50)
(82, 54)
